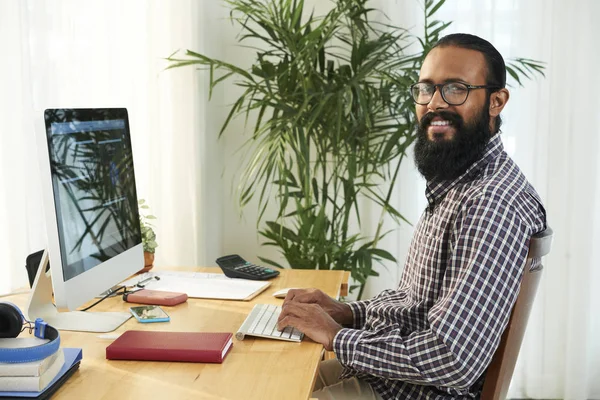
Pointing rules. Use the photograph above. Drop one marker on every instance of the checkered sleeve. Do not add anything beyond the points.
(479, 288)
(359, 312)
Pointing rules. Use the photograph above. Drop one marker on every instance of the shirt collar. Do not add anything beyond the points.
(436, 190)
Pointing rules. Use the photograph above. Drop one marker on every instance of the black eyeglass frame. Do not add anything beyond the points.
(441, 85)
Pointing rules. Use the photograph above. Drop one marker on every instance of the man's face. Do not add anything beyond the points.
(448, 64)
(452, 137)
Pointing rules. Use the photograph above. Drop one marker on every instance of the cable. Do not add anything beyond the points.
(114, 292)
(139, 285)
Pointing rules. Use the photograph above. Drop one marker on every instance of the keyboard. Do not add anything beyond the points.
(262, 322)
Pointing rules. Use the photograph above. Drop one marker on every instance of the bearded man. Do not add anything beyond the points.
(434, 336)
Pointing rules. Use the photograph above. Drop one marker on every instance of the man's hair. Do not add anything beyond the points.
(496, 68)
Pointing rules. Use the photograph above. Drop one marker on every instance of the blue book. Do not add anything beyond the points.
(72, 361)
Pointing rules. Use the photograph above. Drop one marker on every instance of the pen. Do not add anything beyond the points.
(141, 283)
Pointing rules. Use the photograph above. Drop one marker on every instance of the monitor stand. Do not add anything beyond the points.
(40, 305)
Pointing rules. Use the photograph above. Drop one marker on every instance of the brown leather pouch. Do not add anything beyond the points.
(146, 296)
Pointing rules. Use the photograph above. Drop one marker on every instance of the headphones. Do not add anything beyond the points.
(12, 323)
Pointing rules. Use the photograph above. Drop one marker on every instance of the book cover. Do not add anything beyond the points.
(33, 383)
(71, 364)
(204, 347)
(34, 368)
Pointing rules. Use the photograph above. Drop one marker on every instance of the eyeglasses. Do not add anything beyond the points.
(453, 93)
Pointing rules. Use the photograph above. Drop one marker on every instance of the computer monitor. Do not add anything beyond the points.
(92, 218)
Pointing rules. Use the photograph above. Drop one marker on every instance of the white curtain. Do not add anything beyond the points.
(68, 53)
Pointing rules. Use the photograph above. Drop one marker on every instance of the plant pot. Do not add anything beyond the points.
(148, 261)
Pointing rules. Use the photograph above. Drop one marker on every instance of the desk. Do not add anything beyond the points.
(254, 369)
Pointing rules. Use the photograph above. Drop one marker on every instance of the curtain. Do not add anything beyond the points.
(69, 53)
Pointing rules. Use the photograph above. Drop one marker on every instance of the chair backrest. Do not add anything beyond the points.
(499, 373)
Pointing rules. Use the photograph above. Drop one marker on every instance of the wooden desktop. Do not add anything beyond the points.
(254, 369)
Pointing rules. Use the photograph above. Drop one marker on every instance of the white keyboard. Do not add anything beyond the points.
(262, 322)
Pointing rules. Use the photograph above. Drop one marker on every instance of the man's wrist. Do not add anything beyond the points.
(333, 334)
(344, 316)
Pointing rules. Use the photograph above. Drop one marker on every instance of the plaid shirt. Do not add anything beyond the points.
(434, 336)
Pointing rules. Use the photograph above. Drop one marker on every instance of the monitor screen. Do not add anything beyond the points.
(93, 184)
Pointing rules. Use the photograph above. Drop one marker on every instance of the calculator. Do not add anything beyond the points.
(235, 266)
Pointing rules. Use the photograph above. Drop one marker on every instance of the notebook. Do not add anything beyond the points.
(71, 364)
(203, 347)
(33, 383)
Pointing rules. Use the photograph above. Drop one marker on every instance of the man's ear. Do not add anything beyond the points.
(497, 101)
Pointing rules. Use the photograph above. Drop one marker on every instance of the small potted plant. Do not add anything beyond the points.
(148, 236)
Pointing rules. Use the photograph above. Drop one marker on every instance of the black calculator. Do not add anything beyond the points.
(235, 266)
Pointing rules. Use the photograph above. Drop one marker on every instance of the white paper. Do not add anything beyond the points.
(200, 284)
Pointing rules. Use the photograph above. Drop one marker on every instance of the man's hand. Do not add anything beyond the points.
(340, 312)
(310, 319)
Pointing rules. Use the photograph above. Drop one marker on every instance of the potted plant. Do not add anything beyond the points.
(148, 236)
(334, 121)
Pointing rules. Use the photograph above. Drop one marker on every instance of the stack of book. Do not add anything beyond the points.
(32, 379)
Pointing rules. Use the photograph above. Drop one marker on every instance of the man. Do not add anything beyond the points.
(434, 336)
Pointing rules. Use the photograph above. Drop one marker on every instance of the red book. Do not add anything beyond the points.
(201, 347)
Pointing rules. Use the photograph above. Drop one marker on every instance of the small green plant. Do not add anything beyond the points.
(148, 235)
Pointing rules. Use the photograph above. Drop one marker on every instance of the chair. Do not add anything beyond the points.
(499, 373)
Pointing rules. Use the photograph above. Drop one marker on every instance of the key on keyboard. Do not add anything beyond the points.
(262, 322)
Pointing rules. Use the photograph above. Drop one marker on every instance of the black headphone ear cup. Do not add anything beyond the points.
(11, 321)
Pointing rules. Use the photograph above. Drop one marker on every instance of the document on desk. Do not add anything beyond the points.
(201, 285)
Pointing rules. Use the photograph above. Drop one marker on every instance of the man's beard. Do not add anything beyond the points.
(449, 159)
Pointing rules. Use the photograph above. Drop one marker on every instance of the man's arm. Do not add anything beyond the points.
(478, 291)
